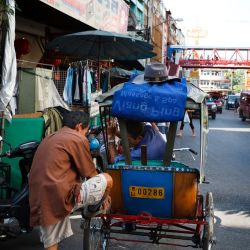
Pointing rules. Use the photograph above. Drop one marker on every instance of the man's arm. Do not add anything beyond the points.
(83, 159)
(112, 133)
(112, 150)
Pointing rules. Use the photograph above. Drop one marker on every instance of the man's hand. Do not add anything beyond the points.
(106, 203)
(112, 128)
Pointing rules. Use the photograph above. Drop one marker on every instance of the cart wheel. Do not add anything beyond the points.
(94, 237)
(208, 238)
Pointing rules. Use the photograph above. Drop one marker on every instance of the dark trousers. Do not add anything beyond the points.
(190, 124)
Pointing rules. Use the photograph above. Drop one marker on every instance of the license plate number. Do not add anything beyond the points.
(147, 192)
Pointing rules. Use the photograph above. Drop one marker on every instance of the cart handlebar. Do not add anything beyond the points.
(186, 149)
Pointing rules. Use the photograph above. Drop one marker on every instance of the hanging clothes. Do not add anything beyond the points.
(97, 80)
(73, 84)
(80, 82)
(93, 85)
(67, 92)
(76, 92)
(53, 120)
(105, 81)
(87, 87)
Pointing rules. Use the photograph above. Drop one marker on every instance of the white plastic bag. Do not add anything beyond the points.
(186, 118)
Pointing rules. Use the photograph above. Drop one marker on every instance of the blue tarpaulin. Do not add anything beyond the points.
(151, 102)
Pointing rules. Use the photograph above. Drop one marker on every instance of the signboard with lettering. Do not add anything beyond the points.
(151, 102)
(194, 73)
(107, 15)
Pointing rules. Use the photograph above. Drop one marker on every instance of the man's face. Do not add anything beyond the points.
(132, 141)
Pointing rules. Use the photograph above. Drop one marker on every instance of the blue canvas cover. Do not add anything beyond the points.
(158, 102)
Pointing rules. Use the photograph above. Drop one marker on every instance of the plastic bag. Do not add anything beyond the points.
(186, 118)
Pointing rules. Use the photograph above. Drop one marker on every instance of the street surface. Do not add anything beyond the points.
(228, 171)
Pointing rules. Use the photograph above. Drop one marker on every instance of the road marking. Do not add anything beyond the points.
(233, 219)
(232, 129)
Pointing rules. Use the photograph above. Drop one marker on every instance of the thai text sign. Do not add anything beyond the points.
(151, 102)
(108, 15)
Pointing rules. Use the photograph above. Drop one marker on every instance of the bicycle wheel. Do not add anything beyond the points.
(94, 237)
(208, 234)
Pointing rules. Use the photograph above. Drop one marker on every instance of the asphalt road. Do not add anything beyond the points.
(228, 171)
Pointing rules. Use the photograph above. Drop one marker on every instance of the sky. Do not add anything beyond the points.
(224, 23)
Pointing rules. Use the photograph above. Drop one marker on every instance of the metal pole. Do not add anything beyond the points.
(170, 143)
(125, 143)
(2, 131)
(3, 28)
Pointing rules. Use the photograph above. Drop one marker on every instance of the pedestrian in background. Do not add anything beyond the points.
(188, 118)
(236, 105)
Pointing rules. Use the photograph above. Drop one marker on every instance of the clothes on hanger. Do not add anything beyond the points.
(81, 81)
(104, 81)
(87, 87)
(76, 90)
(67, 92)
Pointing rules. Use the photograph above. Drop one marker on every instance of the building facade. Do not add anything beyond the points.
(40, 21)
(152, 28)
(175, 35)
(137, 7)
(214, 80)
(144, 19)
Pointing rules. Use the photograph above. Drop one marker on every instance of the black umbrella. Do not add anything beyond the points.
(102, 45)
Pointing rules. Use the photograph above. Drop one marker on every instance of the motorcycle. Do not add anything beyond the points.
(14, 204)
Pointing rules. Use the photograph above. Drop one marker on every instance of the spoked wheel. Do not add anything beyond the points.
(208, 235)
(94, 235)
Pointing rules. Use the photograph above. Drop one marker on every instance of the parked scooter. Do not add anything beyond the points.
(14, 205)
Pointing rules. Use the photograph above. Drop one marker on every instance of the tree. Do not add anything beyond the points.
(236, 77)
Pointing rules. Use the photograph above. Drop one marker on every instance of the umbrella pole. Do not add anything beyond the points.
(109, 83)
(99, 77)
(87, 101)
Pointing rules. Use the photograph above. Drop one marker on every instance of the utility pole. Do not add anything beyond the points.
(147, 30)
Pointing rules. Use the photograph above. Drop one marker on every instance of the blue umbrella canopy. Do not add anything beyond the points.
(102, 45)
